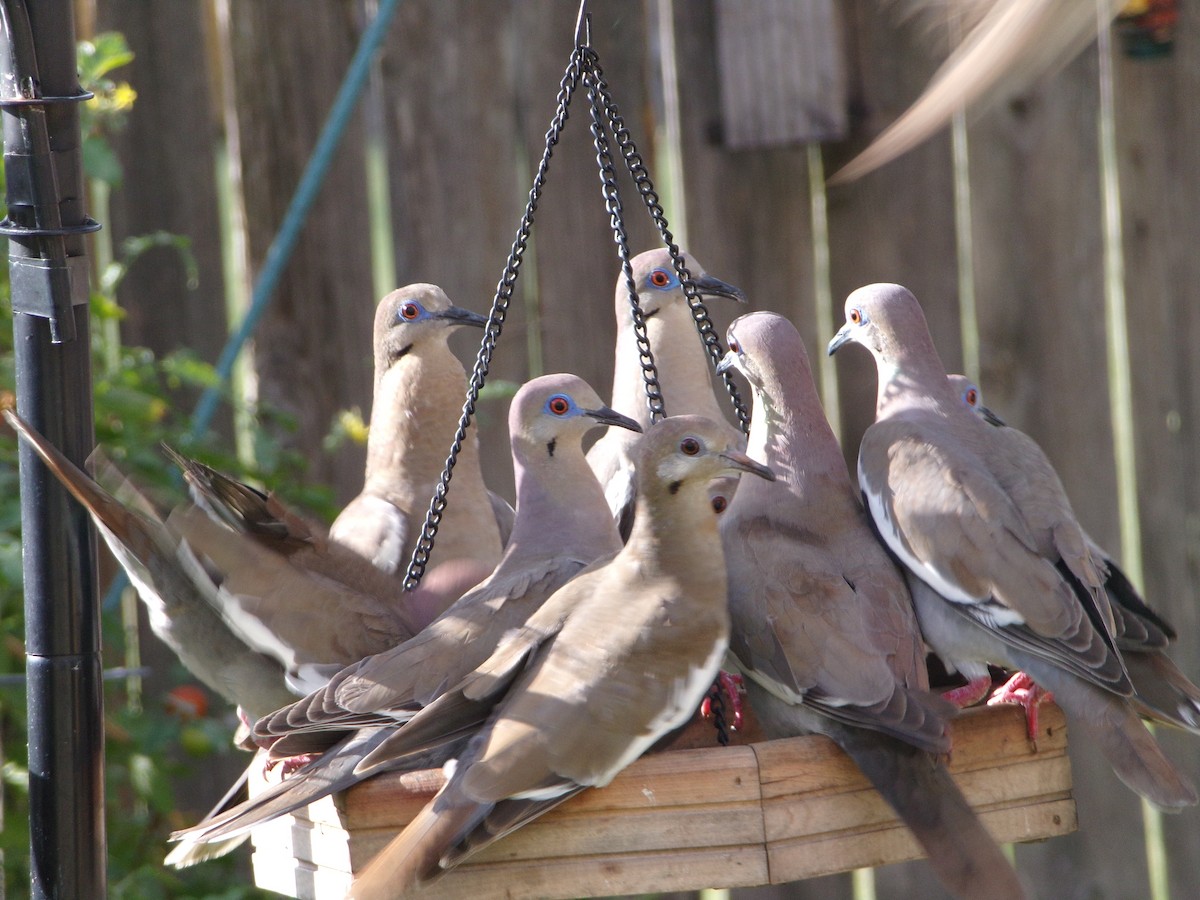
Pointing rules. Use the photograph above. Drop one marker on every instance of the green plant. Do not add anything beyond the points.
(148, 747)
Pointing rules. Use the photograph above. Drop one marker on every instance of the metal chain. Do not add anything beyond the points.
(716, 706)
(645, 186)
(504, 291)
(584, 64)
(593, 80)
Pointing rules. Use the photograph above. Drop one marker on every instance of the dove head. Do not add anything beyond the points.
(681, 455)
(555, 408)
(658, 285)
(972, 398)
(765, 347)
(888, 321)
(415, 315)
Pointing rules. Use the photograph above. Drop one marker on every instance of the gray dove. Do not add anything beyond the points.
(823, 624)
(994, 581)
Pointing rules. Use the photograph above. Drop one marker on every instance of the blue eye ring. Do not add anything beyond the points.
(559, 405)
(661, 279)
(410, 311)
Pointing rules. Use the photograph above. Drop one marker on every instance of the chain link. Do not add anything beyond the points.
(593, 79)
(645, 186)
(495, 322)
(584, 65)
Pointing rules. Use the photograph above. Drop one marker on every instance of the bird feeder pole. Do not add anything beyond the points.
(39, 95)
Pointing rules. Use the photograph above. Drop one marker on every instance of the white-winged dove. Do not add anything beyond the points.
(684, 370)
(823, 626)
(319, 602)
(179, 598)
(613, 661)
(992, 582)
(1163, 692)
(562, 525)
(419, 390)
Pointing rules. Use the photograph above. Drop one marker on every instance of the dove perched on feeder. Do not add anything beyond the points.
(823, 625)
(319, 602)
(179, 598)
(562, 525)
(684, 370)
(419, 391)
(1162, 692)
(613, 661)
(1003, 584)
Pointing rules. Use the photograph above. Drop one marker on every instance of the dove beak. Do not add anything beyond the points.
(740, 462)
(607, 416)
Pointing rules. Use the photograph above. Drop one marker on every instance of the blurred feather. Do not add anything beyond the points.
(1007, 46)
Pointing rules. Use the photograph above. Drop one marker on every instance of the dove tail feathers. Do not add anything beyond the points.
(416, 853)
(963, 855)
(1163, 693)
(97, 501)
(1113, 725)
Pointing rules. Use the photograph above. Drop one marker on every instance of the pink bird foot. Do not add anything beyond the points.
(1020, 690)
(290, 764)
(970, 693)
(733, 687)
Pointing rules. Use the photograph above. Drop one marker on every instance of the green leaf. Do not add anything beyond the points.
(100, 162)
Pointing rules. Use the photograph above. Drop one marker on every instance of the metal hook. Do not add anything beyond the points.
(583, 26)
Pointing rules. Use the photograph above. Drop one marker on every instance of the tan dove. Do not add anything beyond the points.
(562, 525)
(684, 370)
(613, 661)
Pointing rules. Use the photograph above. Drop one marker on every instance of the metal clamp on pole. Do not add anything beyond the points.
(39, 97)
(46, 278)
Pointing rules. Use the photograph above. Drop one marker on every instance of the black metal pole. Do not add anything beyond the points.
(39, 94)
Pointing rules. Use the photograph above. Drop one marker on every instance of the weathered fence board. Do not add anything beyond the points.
(782, 76)
(313, 349)
(1035, 166)
(1158, 137)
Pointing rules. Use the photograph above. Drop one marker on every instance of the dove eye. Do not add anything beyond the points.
(689, 446)
(972, 396)
(855, 317)
(410, 311)
(559, 405)
(719, 503)
(659, 278)
(735, 346)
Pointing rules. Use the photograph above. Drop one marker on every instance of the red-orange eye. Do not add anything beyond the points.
(718, 504)
(689, 446)
(559, 406)
(734, 346)
(410, 311)
(972, 396)
(855, 317)
(660, 278)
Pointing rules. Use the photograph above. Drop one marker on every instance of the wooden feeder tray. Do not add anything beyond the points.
(764, 813)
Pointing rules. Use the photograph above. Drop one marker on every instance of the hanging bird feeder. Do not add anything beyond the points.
(684, 819)
(763, 813)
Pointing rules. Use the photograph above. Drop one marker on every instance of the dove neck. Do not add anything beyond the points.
(677, 532)
(792, 436)
(911, 373)
(683, 369)
(414, 414)
(559, 487)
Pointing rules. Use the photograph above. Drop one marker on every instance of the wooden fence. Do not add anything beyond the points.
(465, 91)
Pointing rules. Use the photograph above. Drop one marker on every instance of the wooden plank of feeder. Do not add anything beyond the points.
(781, 72)
(774, 811)
(821, 814)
